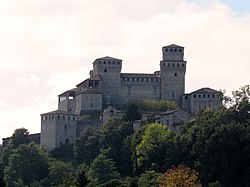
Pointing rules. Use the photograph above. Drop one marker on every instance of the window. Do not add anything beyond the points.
(208, 95)
(65, 127)
(67, 141)
(186, 97)
(194, 96)
(164, 64)
(173, 64)
(166, 50)
(199, 95)
(155, 90)
(175, 50)
(180, 50)
(129, 90)
(108, 88)
(168, 64)
(105, 70)
(175, 74)
(173, 93)
(178, 65)
(104, 62)
(108, 62)
(170, 50)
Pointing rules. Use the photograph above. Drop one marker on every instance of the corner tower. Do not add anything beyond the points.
(172, 73)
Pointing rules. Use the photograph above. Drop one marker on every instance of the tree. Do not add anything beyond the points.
(103, 169)
(82, 179)
(114, 138)
(180, 176)
(19, 137)
(61, 173)
(132, 113)
(27, 163)
(149, 179)
(87, 146)
(152, 149)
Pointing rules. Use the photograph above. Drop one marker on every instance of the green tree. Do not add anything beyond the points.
(114, 134)
(27, 163)
(19, 137)
(61, 174)
(152, 149)
(132, 113)
(149, 179)
(87, 146)
(103, 169)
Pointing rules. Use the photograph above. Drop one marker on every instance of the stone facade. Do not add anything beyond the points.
(202, 99)
(108, 87)
(57, 128)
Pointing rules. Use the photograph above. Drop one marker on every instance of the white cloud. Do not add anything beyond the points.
(48, 46)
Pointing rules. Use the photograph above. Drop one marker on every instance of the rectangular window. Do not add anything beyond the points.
(155, 90)
(173, 93)
(129, 90)
(109, 89)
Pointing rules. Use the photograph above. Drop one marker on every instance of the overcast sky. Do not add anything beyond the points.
(48, 46)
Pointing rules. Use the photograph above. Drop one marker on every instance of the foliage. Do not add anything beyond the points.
(180, 176)
(149, 179)
(19, 137)
(82, 178)
(87, 146)
(61, 173)
(214, 184)
(113, 183)
(114, 138)
(103, 169)
(63, 153)
(132, 113)
(151, 150)
(27, 163)
(153, 105)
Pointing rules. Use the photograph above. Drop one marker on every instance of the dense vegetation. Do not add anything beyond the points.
(214, 151)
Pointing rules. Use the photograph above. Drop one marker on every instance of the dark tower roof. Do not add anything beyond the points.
(173, 46)
(108, 58)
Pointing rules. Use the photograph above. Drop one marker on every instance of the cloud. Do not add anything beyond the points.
(47, 47)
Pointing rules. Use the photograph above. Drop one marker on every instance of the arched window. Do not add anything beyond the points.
(67, 141)
(105, 70)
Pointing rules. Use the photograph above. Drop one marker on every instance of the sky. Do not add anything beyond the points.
(48, 46)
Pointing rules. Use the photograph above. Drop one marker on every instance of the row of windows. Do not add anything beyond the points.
(202, 96)
(109, 62)
(204, 107)
(58, 117)
(141, 79)
(173, 64)
(173, 50)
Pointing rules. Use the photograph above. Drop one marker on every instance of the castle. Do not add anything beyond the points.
(107, 86)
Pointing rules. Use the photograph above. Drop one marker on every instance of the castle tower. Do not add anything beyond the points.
(110, 71)
(172, 73)
(57, 128)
